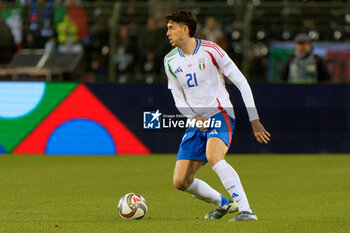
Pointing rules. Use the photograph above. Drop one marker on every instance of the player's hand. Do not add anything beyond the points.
(260, 133)
(202, 119)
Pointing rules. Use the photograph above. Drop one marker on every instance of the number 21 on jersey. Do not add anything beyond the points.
(192, 80)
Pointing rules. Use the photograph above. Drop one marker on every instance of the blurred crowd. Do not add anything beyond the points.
(66, 26)
(140, 39)
(47, 24)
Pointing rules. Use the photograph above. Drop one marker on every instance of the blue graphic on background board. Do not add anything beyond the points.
(80, 137)
(20, 99)
(2, 150)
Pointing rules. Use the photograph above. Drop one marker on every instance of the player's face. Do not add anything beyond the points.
(175, 33)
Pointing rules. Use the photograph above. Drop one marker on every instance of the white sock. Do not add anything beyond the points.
(203, 191)
(232, 183)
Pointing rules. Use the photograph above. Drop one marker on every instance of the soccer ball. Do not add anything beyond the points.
(132, 206)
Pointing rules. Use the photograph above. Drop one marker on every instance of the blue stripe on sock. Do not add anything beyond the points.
(224, 201)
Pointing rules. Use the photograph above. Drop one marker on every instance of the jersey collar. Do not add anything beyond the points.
(197, 47)
(195, 50)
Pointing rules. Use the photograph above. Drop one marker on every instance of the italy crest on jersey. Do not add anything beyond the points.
(201, 63)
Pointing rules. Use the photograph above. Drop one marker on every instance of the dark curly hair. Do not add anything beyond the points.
(184, 17)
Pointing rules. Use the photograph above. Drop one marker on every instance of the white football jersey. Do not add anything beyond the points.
(201, 79)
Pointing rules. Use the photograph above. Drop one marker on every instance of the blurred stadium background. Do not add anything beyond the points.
(125, 42)
(109, 54)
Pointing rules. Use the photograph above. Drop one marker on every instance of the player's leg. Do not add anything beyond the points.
(216, 151)
(184, 180)
(184, 173)
(218, 142)
(190, 158)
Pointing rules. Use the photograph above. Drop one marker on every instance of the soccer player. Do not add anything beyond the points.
(196, 70)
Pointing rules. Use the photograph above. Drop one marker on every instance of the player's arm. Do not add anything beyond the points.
(180, 101)
(179, 97)
(177, 92)
(231, 71)
(260, 132)
(184, 108)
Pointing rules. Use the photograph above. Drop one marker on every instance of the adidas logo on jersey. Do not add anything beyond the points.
(178, 70)
(213, 132)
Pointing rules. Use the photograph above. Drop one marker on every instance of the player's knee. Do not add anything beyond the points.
(212, 159)
(181, 184)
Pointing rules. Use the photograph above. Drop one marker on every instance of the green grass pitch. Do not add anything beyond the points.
(289, 193)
